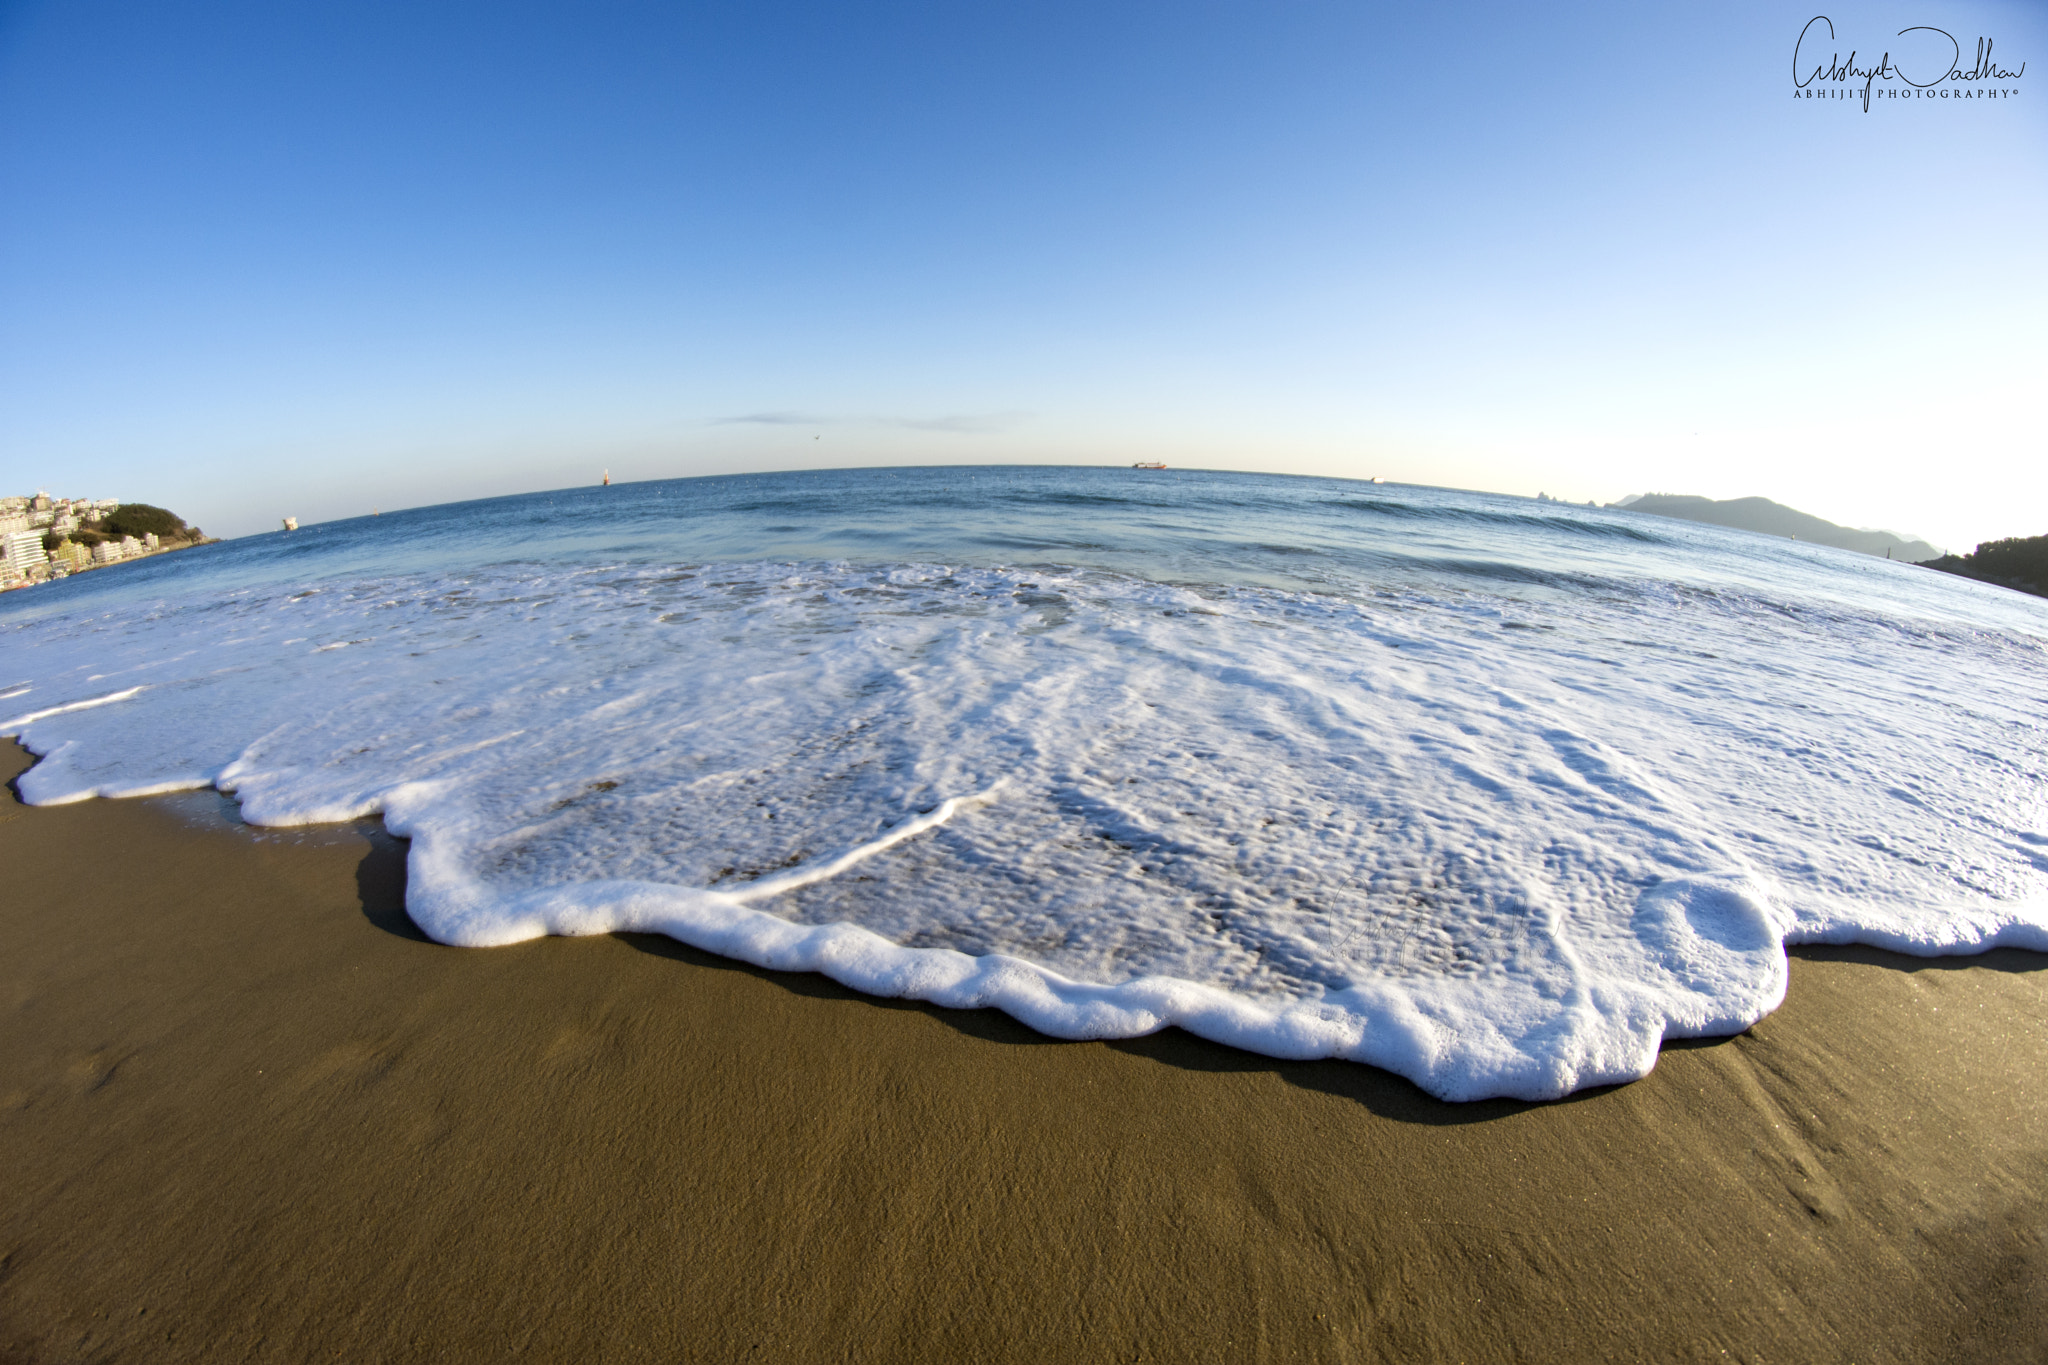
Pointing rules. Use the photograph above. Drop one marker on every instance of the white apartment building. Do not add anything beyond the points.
(22, 551)
(106, 552)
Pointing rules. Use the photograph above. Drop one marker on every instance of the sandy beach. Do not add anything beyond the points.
(248, 1113)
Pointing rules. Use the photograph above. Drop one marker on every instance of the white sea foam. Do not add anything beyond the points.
(1498, 847)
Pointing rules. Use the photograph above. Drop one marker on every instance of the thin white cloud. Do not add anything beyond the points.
(965, 421)
(968, 422)
(778, 419)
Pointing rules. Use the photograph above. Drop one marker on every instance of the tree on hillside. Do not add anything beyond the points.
(2020, 558)
(2018, 562)
(136, 519)
(139, 519)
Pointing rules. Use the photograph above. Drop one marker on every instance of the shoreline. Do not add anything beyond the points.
(252, 1114)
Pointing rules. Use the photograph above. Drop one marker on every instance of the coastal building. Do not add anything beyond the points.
(23, 552)
(23, 523)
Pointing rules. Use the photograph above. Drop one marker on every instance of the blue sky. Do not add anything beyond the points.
(260, 259)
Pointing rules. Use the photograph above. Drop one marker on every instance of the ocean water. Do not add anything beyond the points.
(1492, 793)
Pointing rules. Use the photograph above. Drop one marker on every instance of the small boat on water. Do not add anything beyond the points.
(1148, 464)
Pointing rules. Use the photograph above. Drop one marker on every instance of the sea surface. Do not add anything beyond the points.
(1493, 793)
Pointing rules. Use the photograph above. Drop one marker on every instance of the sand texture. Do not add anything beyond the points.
(248, 1114)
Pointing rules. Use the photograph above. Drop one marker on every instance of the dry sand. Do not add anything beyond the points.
(247, 1113)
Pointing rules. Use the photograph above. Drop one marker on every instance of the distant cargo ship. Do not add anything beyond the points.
(1148, 464)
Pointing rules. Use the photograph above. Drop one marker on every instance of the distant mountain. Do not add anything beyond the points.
(1776, 519)
(2018, 563)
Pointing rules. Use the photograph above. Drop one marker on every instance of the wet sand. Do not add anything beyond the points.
(248, 1113)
